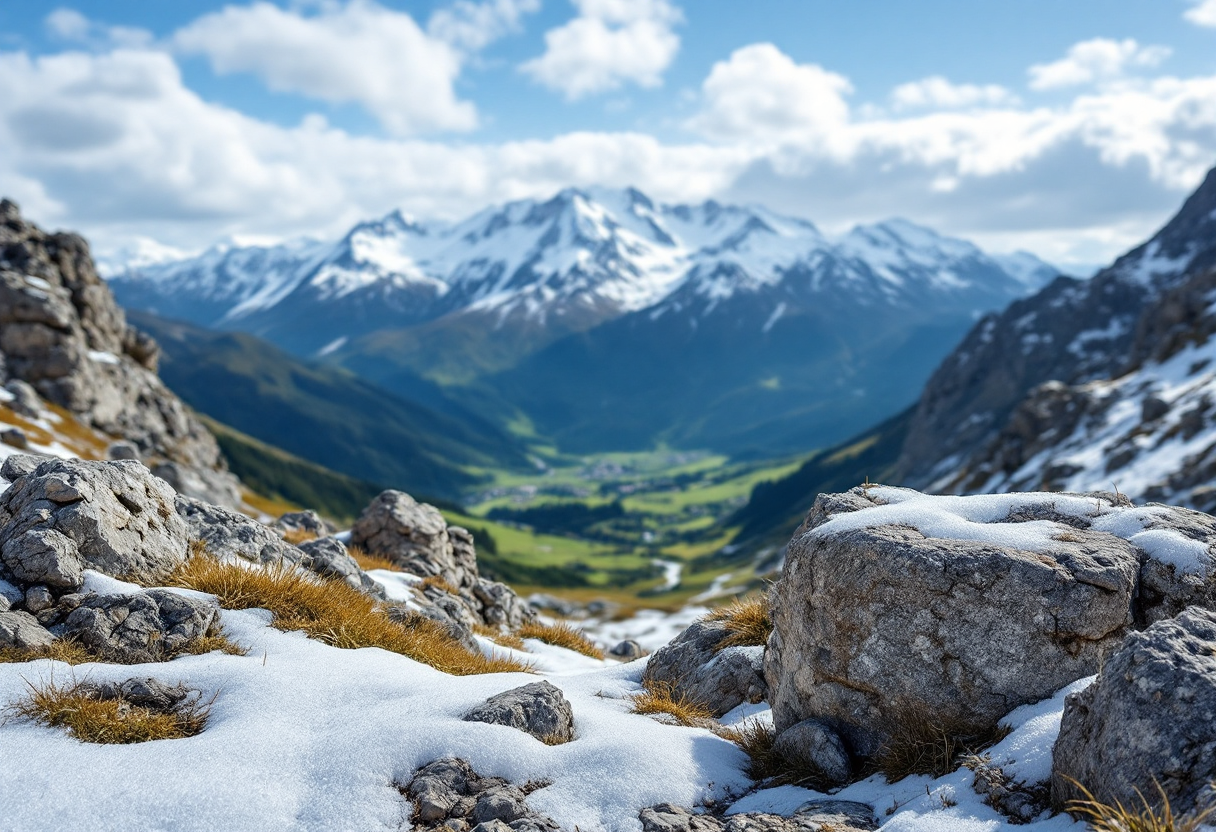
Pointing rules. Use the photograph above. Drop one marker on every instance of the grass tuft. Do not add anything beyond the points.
(334, 613)
(561, 635)
(111, 721)
(60, 650)
(748, 621)
(500, 637)
(922, 742)
(212, 644)
(756, 739)
(440, 583)
(1103, 817)
(368, 562)
(297, 536)
(660, 698)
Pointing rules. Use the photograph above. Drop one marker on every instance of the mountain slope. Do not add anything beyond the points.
(325, 415)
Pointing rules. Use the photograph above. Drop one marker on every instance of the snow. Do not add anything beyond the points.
(332, 347)
(102, 357)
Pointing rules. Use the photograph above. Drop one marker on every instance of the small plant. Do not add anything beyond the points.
(748, 621)
(440, 583)
(333, 612)
(499, 637)
(660, 698)
(1103, 817)
(90, 718)
(368, 562)
(561, 635)
(756, 739)
(923, 742)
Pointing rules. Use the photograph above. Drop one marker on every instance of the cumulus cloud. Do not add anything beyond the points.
(1202, 13)
(1095, 60)
(610, 43)
(71, 25)
(473, 26)
(937, 92)
(360, 52)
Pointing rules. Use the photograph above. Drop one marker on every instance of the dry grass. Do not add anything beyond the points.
(334, 613)
(92, 719)
(748, 621)
(922, 742)
(661, 698)
(297, 536)
(499, 637)
(60, 650)
(212, 644)
(561, 635)
(440, 583)
(1103, 817)
(369, 562)
(756, 740)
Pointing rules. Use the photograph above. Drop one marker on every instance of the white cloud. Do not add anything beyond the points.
(1095, 60)
(473, 26)
(609, 44)
(937, 92)
(1202, 13)
(71, 25)
(359, 52)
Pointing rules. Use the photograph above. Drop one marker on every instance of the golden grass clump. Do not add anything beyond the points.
(334, 613)
(561, 635)
(923, 742)
(90, 718)
(440, 583)
(499, 637)
(368, 562)
(211, 644)
(60, 650)
(657, 697)
(1103, 817)
(297, 536)
(756, 739)
(748, 621)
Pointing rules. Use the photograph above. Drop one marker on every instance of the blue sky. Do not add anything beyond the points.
(1067, 128)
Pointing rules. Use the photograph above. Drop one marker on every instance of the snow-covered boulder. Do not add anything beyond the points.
(1148, 721)
(144, 627)
(66, 516)
(539, 709)
(892, 602)
(416, 537)
(696, 667)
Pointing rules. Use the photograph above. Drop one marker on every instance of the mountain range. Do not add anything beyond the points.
(547, 314)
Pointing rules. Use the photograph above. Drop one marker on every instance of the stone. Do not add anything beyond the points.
(501, 803)
(18, 465)
(69, 515)
(1149, 720)
(821, 815)
(627, 650)
(874, 624)
(308, 522)
(15, 438)
(149, 626)
(10, 596)
(497, 605)
(448, 795)
(414, 536)
(811, 746)
(539, 709)
(456, 629)
(122, 450)
(213, 486)
(228, 534)
(20, 629)
(38, 598)
(544, 602)
(695, 668)
(145, 692)
(327, 556)
(25, 401)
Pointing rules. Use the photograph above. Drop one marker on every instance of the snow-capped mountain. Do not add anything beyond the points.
(1088, 384)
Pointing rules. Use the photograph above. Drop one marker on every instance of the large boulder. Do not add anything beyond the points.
(415, 536)
(1148, 722)
(147, 626)
(66, 516)
(539, 709)
(695, 666)
(893, 604)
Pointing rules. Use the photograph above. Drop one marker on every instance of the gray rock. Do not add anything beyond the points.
(1148, 720)
(414, 536)
(497, 605)
(145, 692)
(38, 598)
(228, 534)
(695, 668)
(551, 603)
(501, 803)
(873, 624)
(539, 709)
(71, 515)
(122, 450)
(327, 556)
(214, 486)
(814, 748)
(458, 630)
(15, 438)
(828, 815)
(10, 596)
(303, 521)
(20, 629)
(25, 399)
(18, 465)
(627, 650)
(449, 795)
(148, 626)
(814, 816)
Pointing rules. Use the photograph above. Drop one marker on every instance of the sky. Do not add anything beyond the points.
(1069, 129)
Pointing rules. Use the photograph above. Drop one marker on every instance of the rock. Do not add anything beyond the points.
(627, 650)
(814, 816)
(539, 709)
(497, 605)
(811, 746)
(327, 556)
(149, 626)
(544, 602)
(53, 616)
(145, 692)
(873, 624)
(308, 522)
(18, 465)
(15, 438)
(10, 596)
(695, 668)
(71, 515)
(22, 630)
(449, 795)
(1148, 720)
(414, 536)
(122, 450)
(228, 534)
(500, 803)
(25, 400)
(38, 598)
(216, 487)
(455, 628)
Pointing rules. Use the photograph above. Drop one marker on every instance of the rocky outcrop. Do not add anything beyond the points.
(227, 534)
(813, 816)
(415, 536)
(448, 794)
(696, 667)
(62, 333)
(21, 630)
(539, 709)
(1148, 722)
(893, 604)
(148, 626)
(65, 516)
